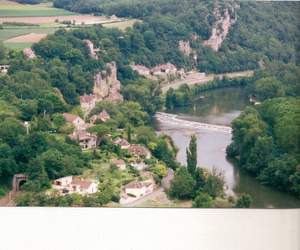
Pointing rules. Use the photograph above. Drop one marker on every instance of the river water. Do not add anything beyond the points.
(221, 107)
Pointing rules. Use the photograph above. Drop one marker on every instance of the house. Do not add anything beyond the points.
(71, 184)
(123, 143)
(166, 181)
(141, 69)
(139, 165)
(121, 164)
(86, 140)
(4, 68)
(139, 188)
(103, 116)
(77, 121)
(164, 69)
(139, 151)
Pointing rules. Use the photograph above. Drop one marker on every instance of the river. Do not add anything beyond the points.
(220, 107)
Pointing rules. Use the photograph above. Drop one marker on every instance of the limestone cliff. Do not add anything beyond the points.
(92, 50)
(106, 87)
(106, 84)
(185, 48)
(221, 26)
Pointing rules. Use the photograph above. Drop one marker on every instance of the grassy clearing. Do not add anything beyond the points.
(121, 25)
(14, 31)
(17, 46)
(11, 9)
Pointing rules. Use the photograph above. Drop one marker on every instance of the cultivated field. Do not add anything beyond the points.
(22, 25)
(76, 19)
(13, 9)
(28, 38)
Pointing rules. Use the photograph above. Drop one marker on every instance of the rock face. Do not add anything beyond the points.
(29, 53)
(106, 87)
(184, 47)
(91, 49)
(221, 27)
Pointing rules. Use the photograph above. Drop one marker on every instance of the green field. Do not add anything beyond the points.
(20, 10)
(14, 31)
(121, 25)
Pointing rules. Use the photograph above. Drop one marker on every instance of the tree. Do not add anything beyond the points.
(3, 51)
(129, 133)
(244, 201)
(183, 184)
(214, 185)
(202, 200)
(268, 87)
(191, 153)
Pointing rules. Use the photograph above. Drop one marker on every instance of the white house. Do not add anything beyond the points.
(139, 188)
(4, 68)
(71, 184)
(139, 165)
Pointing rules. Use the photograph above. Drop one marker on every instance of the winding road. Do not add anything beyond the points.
(198, 78)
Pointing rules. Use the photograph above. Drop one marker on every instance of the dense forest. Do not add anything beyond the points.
(263, 32)
(266, 143)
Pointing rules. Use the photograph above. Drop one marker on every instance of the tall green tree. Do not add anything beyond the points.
(191, 153)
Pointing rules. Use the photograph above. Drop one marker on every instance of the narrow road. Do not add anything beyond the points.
(198, 78)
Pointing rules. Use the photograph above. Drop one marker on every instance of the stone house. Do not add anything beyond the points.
(123, 143)
(85, 139)
(102, 116)
(77, 121)
(164, 70)
(139, 151)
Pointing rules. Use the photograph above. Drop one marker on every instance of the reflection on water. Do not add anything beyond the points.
(221, 107)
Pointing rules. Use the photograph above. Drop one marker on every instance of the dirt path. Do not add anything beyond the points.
(197, 78)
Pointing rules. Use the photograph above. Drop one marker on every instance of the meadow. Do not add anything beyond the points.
(43, 19)
(12, 9)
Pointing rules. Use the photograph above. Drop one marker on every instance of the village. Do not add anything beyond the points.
(107, 88)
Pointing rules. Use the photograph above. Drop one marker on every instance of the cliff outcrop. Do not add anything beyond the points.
(106, 87)
(221, 26)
